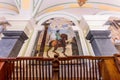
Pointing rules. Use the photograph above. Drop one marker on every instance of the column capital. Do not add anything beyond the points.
(101, 43)
(11, 43)
(15, 35)
(98, 34)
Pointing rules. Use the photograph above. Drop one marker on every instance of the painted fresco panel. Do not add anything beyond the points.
(62, 47)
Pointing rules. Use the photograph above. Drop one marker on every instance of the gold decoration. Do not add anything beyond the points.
(81, 2)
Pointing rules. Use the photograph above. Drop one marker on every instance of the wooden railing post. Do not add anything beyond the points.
(55, 68)
(117, 61)
(109, 70)
(2, 70)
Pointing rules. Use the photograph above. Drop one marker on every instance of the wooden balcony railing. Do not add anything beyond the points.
(66, 68)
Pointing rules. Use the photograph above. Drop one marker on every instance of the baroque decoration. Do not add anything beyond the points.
(81, 2)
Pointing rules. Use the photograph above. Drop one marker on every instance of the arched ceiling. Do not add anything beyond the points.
(39, 7)
(9, 7)
(90, 7)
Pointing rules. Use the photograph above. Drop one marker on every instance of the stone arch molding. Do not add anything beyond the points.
(47, 16)
(66, 15)
(108, 13)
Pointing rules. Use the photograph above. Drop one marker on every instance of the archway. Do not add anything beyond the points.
(40, 20)
(50, 40)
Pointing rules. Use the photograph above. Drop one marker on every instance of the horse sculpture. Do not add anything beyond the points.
(58, 43)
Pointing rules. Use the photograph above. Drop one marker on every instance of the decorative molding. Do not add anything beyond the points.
(81, 2)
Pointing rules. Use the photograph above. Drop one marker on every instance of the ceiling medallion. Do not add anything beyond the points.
(81, 2)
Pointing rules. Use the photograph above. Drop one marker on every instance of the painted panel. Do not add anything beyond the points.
(59, 40)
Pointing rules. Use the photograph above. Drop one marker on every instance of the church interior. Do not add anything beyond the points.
(59, 40)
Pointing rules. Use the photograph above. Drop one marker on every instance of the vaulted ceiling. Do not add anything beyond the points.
(39, 7)
(9, 7)
(91, 6)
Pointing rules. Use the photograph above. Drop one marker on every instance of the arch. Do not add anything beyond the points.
(66, 15)
(108, 13)
(76, 20)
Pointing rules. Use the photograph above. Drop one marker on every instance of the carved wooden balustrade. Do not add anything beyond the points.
(60, 68)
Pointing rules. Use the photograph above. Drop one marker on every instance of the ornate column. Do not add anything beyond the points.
(11, 43)
(101, 42)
